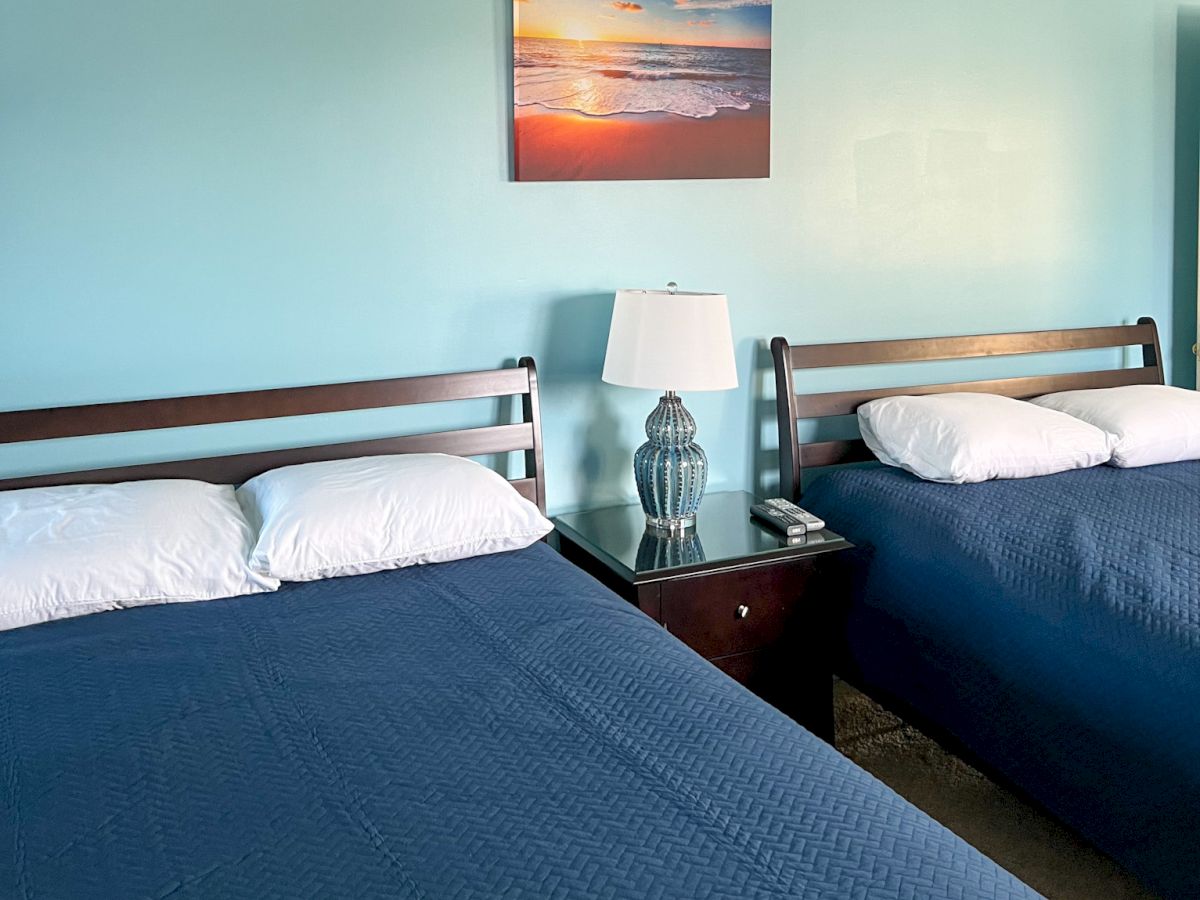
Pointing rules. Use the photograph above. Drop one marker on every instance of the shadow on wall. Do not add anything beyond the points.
(1187, 193)
(572, 360)
(764, 429)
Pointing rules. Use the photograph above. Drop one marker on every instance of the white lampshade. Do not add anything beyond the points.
(667, 341)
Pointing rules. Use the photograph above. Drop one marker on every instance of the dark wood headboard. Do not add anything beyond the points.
(791, 407)
(245, 406)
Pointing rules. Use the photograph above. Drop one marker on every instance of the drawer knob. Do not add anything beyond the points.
(743, 611)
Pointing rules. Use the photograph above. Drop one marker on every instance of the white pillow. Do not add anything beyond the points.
(69, 551)
(966, 438)
(1149, 423)
(354, 516)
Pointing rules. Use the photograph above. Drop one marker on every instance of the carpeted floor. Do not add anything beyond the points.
(1023, 840)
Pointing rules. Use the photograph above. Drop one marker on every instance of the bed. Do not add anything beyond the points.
(1048, 629)
(501, 726)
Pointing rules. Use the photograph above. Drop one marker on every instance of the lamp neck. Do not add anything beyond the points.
(670, 425)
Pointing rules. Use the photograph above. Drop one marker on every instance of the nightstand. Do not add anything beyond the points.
(757, 606)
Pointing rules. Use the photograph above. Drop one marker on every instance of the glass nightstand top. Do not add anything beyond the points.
(724, 535)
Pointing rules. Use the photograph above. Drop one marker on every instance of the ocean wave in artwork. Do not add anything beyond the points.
(603, 79)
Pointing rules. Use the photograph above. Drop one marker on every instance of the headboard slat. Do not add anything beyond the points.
(242, 406)
(237, 468)
(528, 488)
(866, 353)
(846, 403)
(833, 453)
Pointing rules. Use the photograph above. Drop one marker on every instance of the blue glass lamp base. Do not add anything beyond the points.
(670, 469)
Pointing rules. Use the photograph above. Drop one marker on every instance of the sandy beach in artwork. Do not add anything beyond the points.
(567, 146)
(602, 110)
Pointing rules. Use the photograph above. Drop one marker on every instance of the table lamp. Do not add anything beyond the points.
(670, 341)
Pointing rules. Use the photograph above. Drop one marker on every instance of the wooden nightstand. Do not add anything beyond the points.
(740, 595)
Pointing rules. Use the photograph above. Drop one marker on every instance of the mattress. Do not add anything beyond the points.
(497, 727)
(1052, 626)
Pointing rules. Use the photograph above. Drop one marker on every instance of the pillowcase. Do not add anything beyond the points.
(1149, 423)
(355, 516)
(966, 438)
(69, 551)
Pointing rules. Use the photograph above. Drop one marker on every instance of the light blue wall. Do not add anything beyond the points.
(203, 196)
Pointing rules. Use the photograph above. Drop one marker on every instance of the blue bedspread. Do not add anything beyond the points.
(499, 727)
(1053, 626)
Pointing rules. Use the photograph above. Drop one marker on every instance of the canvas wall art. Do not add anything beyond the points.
(654, 89)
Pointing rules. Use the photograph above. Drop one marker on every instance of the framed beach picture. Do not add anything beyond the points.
(607, 90)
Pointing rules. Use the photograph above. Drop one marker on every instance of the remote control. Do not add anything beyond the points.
(811, 522)
(783, 522)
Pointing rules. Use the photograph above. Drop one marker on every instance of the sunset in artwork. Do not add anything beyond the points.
(654, 89)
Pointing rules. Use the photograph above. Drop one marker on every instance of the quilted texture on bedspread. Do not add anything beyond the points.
(498, 727)
(1051, 624)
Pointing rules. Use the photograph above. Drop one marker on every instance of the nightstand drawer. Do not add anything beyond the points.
(732, 612)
